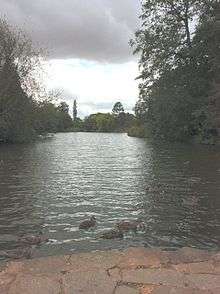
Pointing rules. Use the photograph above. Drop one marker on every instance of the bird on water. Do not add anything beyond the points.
(87, 224)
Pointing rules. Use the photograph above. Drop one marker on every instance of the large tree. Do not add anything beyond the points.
(19, 62)
(175, 64)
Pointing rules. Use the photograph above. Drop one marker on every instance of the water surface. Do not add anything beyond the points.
(51, 186)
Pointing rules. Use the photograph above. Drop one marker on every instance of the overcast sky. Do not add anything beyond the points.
(88, 47)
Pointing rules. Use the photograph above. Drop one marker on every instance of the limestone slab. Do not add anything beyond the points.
(29, 284)
(126, 290)
(156, 277)
(90, 282)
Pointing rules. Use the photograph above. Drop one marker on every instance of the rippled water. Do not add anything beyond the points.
(51, 186)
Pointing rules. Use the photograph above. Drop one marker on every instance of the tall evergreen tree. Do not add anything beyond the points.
(74, 110)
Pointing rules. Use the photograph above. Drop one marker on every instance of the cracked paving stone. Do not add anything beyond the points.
(136, 270)
(54, 264)
(28, 284)
(96, 260)
(204, 281)
(5, 279)
(155, 277)
(142, 257)
(147, 289)
(97, 282)
(205, 267)
(171, 290)
(215, 291)
(216, 257)
(5, 282)
(126, 290)
(115, 274)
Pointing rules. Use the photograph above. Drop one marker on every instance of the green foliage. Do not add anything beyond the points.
(179, 61)
(137, 131)
(78, 125)
(74, 111)
(106, 122)
(22, 116)
(117, 108)
(18, 62)
(63, 107)
(124, 121)
(49, 118)
(100, 122)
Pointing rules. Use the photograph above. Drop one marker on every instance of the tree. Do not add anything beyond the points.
(63, 107)
(140, 109)
(117, 108)
(63, 117)
(165, 35)
(90, 123)
(19, 64)
(176, 66)
(51, 118)
(105, 122)
(74, 110)
(18, 55)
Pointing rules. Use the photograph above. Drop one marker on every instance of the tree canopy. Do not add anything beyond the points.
(117, 121)
(22, 114)
(178, 44)
(117, 108)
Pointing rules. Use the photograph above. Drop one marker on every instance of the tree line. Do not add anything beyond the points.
(178, 45)
(26, 109)
(116, 121)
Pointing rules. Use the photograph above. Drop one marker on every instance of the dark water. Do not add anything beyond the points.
(51, 186)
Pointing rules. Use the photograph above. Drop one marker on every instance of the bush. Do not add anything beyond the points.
(137, 131)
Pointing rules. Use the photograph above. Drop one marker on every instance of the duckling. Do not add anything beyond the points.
(87, 224)
(33, 240)
(126, 226)
(112, 234)
(19, 253)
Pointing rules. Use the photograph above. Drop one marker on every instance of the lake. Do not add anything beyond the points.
(51, 186)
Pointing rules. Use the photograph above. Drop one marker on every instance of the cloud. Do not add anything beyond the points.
(88, 44)
(96, 30)
(96, 86)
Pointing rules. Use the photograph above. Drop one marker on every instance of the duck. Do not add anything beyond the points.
(126, 226)
(19, 253)
(112, 234)
(33, 240)
(87, 224)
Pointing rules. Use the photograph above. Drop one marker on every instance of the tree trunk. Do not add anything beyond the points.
(186, 23)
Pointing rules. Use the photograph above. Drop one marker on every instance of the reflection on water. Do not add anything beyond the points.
(51, 186)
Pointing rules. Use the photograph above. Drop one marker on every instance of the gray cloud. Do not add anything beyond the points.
(89, 29)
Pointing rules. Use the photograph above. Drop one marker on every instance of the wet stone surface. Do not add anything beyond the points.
(134, 271)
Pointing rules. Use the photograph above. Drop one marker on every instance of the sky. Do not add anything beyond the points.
(89, 58)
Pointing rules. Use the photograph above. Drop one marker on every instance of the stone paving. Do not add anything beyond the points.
(134, 271)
